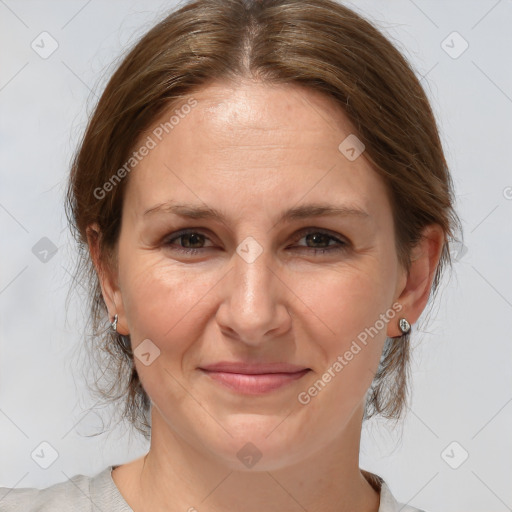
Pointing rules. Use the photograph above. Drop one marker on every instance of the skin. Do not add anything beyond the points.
(254, 151)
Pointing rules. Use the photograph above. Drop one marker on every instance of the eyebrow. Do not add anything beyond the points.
(192, 211)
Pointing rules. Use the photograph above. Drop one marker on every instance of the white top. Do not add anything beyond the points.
(100, 493)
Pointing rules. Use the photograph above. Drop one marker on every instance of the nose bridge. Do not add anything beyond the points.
(252, 275)
(252, 306)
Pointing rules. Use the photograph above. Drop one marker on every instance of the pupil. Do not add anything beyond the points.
(189, 236)
(317, 237)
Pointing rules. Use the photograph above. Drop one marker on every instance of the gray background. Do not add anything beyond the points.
(462, 376)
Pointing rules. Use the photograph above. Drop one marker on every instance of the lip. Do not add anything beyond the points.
(253, 368)
(254, 379)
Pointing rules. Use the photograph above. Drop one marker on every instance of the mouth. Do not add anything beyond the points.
(254, 379)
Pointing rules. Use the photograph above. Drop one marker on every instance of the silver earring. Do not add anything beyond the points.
(404, 325)
(125, 340)
(114, 324)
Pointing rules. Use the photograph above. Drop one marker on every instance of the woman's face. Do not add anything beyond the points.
(254, 286)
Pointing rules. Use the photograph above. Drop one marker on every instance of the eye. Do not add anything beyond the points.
(318, 236)
(191, 241)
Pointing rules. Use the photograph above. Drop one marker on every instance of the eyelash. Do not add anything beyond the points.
(343, 246)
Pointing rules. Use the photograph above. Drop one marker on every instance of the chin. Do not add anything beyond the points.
(256, 444)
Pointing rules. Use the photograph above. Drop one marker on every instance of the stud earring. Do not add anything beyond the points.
(114, 324)
(404, 325)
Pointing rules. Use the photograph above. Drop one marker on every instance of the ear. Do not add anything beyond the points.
(108, 280)
(414, 289)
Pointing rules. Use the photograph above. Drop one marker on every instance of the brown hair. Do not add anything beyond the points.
(319, 44)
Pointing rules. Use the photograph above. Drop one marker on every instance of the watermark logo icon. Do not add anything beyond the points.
(44, 455)
(44, 250)
(249, 249)
(146, 352)
(351, 147)
(454, 455)
(44, 45)
(249, 454)
(454, 45)
(457, 250)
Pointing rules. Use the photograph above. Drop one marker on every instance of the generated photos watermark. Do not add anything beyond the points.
(304, 397)
(150, 143)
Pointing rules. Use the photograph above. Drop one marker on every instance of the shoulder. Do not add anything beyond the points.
(72, 494)
(388, 502)
(77, 493)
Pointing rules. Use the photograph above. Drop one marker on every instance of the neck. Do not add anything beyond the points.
(175, 473)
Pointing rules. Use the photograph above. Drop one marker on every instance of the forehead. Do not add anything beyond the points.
(255, 145)
(249, 104)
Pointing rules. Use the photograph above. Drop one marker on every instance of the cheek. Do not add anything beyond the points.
(345, 303)
(352, 305)
(166, 305)
(349, 334)
(159, 297)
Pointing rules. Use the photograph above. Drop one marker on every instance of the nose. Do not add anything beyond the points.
(255, 296)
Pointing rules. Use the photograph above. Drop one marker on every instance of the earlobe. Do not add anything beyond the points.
(111, 294)
(424, 260)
